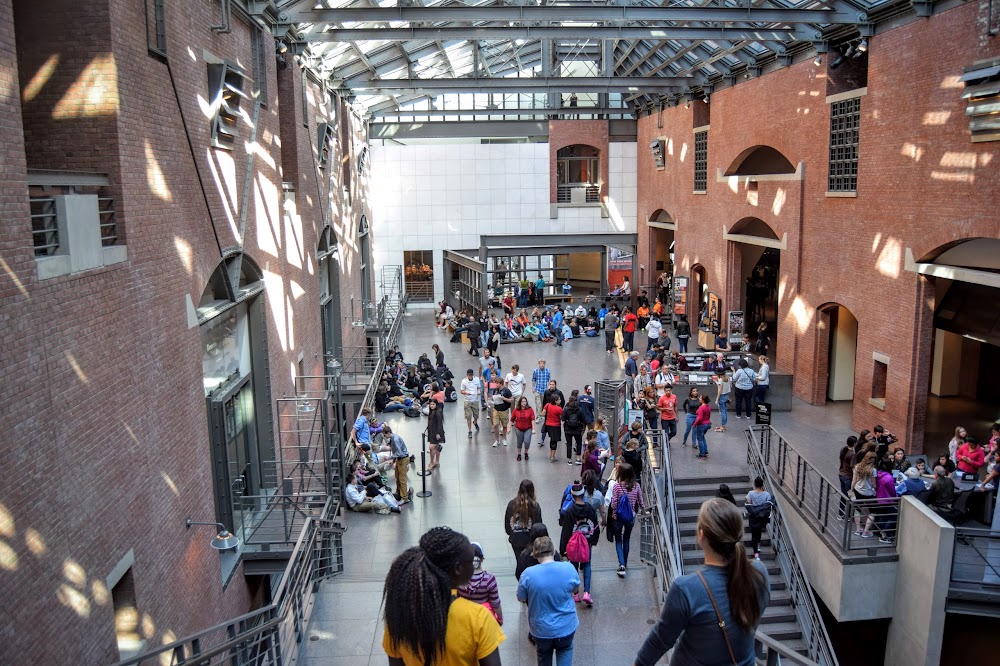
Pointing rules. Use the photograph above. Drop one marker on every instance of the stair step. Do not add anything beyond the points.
(713, 480)
(778, 615)
(784, 631)
(697, 557)
(690, 542)
(690, 529)
(706, 490)
(686, 503)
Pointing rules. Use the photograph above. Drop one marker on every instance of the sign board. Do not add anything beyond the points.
(735, 326)
(680, 295)
(763, 413)
(714, 305)
(619, 260)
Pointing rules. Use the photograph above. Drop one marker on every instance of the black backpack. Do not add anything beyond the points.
(573, 419)
(412, 412)
(759, 515)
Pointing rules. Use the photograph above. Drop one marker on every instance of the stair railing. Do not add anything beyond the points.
(660, 542)
(818, 646)
(268, 636)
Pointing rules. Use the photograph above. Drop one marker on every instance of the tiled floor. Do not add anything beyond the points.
(471, 491)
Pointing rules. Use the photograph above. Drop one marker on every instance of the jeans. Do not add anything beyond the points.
(670, 427)
(760, 393)
(484, 337)
(586, 570)
(689, 423)
(562, 647)
(650, 342)
(523, 438)
(743, 398)
(724, 409)
(845, 487)
(699, 436)
(683, 343)
(622, 533)
(609, 340)
(628, 340)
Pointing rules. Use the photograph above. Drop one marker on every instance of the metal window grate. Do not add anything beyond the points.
(160, 25)
(109, 224)
(44, 228)
(700, 161)
(592, 193)
(845, 120)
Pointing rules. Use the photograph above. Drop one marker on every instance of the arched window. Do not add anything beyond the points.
(578, 174)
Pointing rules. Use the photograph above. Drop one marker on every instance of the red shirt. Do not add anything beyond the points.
(668, 407)
(630, 321)
(524, 418)
(704, 415)
(977, 457)
(553, 414)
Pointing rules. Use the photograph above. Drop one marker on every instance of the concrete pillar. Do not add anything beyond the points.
(925, 544)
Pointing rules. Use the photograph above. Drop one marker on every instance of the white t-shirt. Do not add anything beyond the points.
(471, 389)
(653, 328)
(516, 384)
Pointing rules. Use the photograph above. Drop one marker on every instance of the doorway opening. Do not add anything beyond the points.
(662, 229)
(757, 263)
(839, 344)
(419, 275)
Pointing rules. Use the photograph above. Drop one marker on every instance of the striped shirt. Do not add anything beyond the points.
(634, 496)
(482, 587)
(540, 379)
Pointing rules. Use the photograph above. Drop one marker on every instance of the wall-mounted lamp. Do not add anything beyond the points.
(819, 60)
(335, 367)
(862, 48)
(224, 540)
(305, 407)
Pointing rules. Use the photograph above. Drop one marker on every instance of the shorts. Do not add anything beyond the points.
(501, 417)
(472, 410)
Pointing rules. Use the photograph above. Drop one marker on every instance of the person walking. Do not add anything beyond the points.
(610, 330)
(515, 382)
(693, 617)
(523, 417)
(548, 589)
(552, 412)
(654, 329)
(743, 382)
(667, 404)
(435, 432)
(401, 456)
(725, 386)
(683, 334)
(472, 388)
(522, 513)
(425, 622)
(758, 505)
(540, 377)
(702, 424)
(572, 418)
(502, 403)
(691, 405)
(482, 587)
(580, 517)
(473, 330)
(629, 323)
(626, 504)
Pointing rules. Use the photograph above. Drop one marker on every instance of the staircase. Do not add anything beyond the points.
(779, 621)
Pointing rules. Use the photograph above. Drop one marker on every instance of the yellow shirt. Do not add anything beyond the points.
(472, 634)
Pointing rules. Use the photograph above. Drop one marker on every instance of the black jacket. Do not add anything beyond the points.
(435, 425)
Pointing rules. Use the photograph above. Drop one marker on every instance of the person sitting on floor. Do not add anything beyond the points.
(357, 498)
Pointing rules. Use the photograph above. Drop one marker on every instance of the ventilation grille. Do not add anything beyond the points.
(982, 92)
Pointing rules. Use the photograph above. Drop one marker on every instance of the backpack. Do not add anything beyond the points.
(450, 394)
(578, 548)
(573, 419)
(567, 500)
(626, 513)
(759, 515)
(412, 412)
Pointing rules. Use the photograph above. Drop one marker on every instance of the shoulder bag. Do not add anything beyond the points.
(718, 615)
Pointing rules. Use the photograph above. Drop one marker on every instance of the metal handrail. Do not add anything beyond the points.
(661, 530)
(819, 499)
(814, 632)
(775, 652)
(269, 635)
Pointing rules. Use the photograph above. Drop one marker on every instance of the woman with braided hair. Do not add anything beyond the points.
(727, 596)
(426, 623)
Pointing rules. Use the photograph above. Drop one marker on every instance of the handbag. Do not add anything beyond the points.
(718, 615)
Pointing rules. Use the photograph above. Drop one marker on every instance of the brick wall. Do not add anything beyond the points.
(922, 184)
(105, 444)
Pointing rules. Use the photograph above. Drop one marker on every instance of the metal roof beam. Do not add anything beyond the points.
(568, 13)
(587, 33)
(579, 84)
(381, 111)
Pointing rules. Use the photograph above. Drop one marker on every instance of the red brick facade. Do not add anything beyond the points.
(564, 133)
(105, 444)
(922, 183)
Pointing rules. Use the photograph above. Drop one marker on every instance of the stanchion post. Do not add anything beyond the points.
(423, 473)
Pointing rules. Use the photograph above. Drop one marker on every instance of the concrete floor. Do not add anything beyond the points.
(474, 484)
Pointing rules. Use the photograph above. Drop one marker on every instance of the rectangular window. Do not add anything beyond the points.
(880, 375)
(845, 121)
(258, 47)
(129, 640)
(156, 27)
(700, 161)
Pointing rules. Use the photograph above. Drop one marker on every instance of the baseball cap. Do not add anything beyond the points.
(491, 361)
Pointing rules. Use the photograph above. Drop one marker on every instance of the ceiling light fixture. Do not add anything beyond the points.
(850, 51)
(862, 48)
(819, 60)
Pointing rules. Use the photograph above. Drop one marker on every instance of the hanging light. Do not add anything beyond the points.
(306, 407)
(862, 48)
(224, 540)
(819, 60)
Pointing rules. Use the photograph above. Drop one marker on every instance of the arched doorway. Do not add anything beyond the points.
(838, 345)
(964, 352)
(661, 235)
(697, 296)
(233, 327)
(754, 267)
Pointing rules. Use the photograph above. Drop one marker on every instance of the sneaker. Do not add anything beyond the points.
(569, 461)
(476, 423)
(518, 456)
(552, 460)
(496, 444)
(867, 535)
(525, 455)
(505, 442)
(576, 597)
(470, 434)
(857, 532)
(621, 571)
(587, 599)
(884, 539)
(403, 501)
(409, 494)
(578, 461)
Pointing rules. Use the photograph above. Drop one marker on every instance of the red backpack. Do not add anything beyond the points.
(578, 548)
